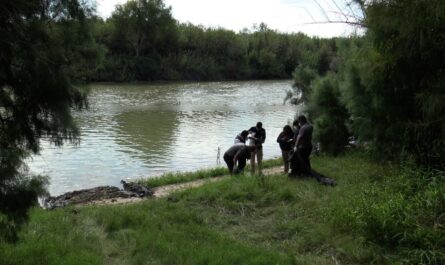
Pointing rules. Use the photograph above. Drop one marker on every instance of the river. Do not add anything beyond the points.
(143, 130)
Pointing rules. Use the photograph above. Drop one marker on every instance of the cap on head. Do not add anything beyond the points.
(259, 125)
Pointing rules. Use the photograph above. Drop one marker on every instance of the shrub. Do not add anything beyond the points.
(404, 214)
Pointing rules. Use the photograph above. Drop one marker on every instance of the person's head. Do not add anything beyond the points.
(259, 125)
(244, 134)
(302, 120)
(287, 130)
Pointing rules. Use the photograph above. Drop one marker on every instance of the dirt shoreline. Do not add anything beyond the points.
(164, 191)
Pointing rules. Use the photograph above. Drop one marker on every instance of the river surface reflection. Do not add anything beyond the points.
(133, 131)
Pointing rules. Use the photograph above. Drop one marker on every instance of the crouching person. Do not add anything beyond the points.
(236, 156)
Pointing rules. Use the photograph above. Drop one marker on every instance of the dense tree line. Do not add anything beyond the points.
(141, 41)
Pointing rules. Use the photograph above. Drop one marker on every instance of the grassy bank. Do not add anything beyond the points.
(376, 215)
(181, 177)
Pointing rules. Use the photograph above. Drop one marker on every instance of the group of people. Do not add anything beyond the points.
(248, 145)
(295, 144)
(296, 147)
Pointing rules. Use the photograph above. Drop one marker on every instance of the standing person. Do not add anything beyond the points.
(295, 129)
(242, 137)
(293, 157)
(258, 134)
(300, 163)
(235, 157)
(286, 140)
(304, 143)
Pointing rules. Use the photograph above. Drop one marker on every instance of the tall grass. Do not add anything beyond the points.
(404, 213)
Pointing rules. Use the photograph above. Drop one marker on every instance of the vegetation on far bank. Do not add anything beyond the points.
(378, 214)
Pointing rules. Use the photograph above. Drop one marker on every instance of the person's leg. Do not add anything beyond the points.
(308, 154)
(303, 154)
(260, 159)
(241, 165)
(285, 156)
(252, 162)
(229, 162)
(295, 167)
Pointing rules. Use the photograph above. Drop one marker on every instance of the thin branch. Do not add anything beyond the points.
(347, 16)
(307, 11)
(341, 11)
(322, 9)
(333, 22)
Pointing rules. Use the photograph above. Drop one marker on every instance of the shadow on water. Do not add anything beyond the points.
(150, 133)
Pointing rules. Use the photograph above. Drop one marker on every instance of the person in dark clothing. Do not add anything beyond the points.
(242, 137)
(293, 157)
(286, 142)
(236, 156)
(299, 162)
(304, 143)
(295, 129)
(258, 134)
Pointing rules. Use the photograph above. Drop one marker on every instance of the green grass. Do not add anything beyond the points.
(181, 177)
(243, 220)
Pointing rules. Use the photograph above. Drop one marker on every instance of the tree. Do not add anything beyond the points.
(36, 97)
(144, 31)
(329, 115)
(399, 76)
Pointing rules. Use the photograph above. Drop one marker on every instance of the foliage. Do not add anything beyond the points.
(317, 86)
(303, 77)
(36, 95)
(395, 88)
(390, 80)
(141, 32)
(145, 43)
(404, 213)
(319, 57)
(328, 115)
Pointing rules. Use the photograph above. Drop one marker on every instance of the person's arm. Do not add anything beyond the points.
(281, 138)
(252, 133)
(300, 134)
(298, 140)
(263, 138)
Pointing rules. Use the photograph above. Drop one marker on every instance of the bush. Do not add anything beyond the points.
(329, 115)
(404, 214)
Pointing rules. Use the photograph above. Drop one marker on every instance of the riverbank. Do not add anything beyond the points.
(248, 220)
(151, 188)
